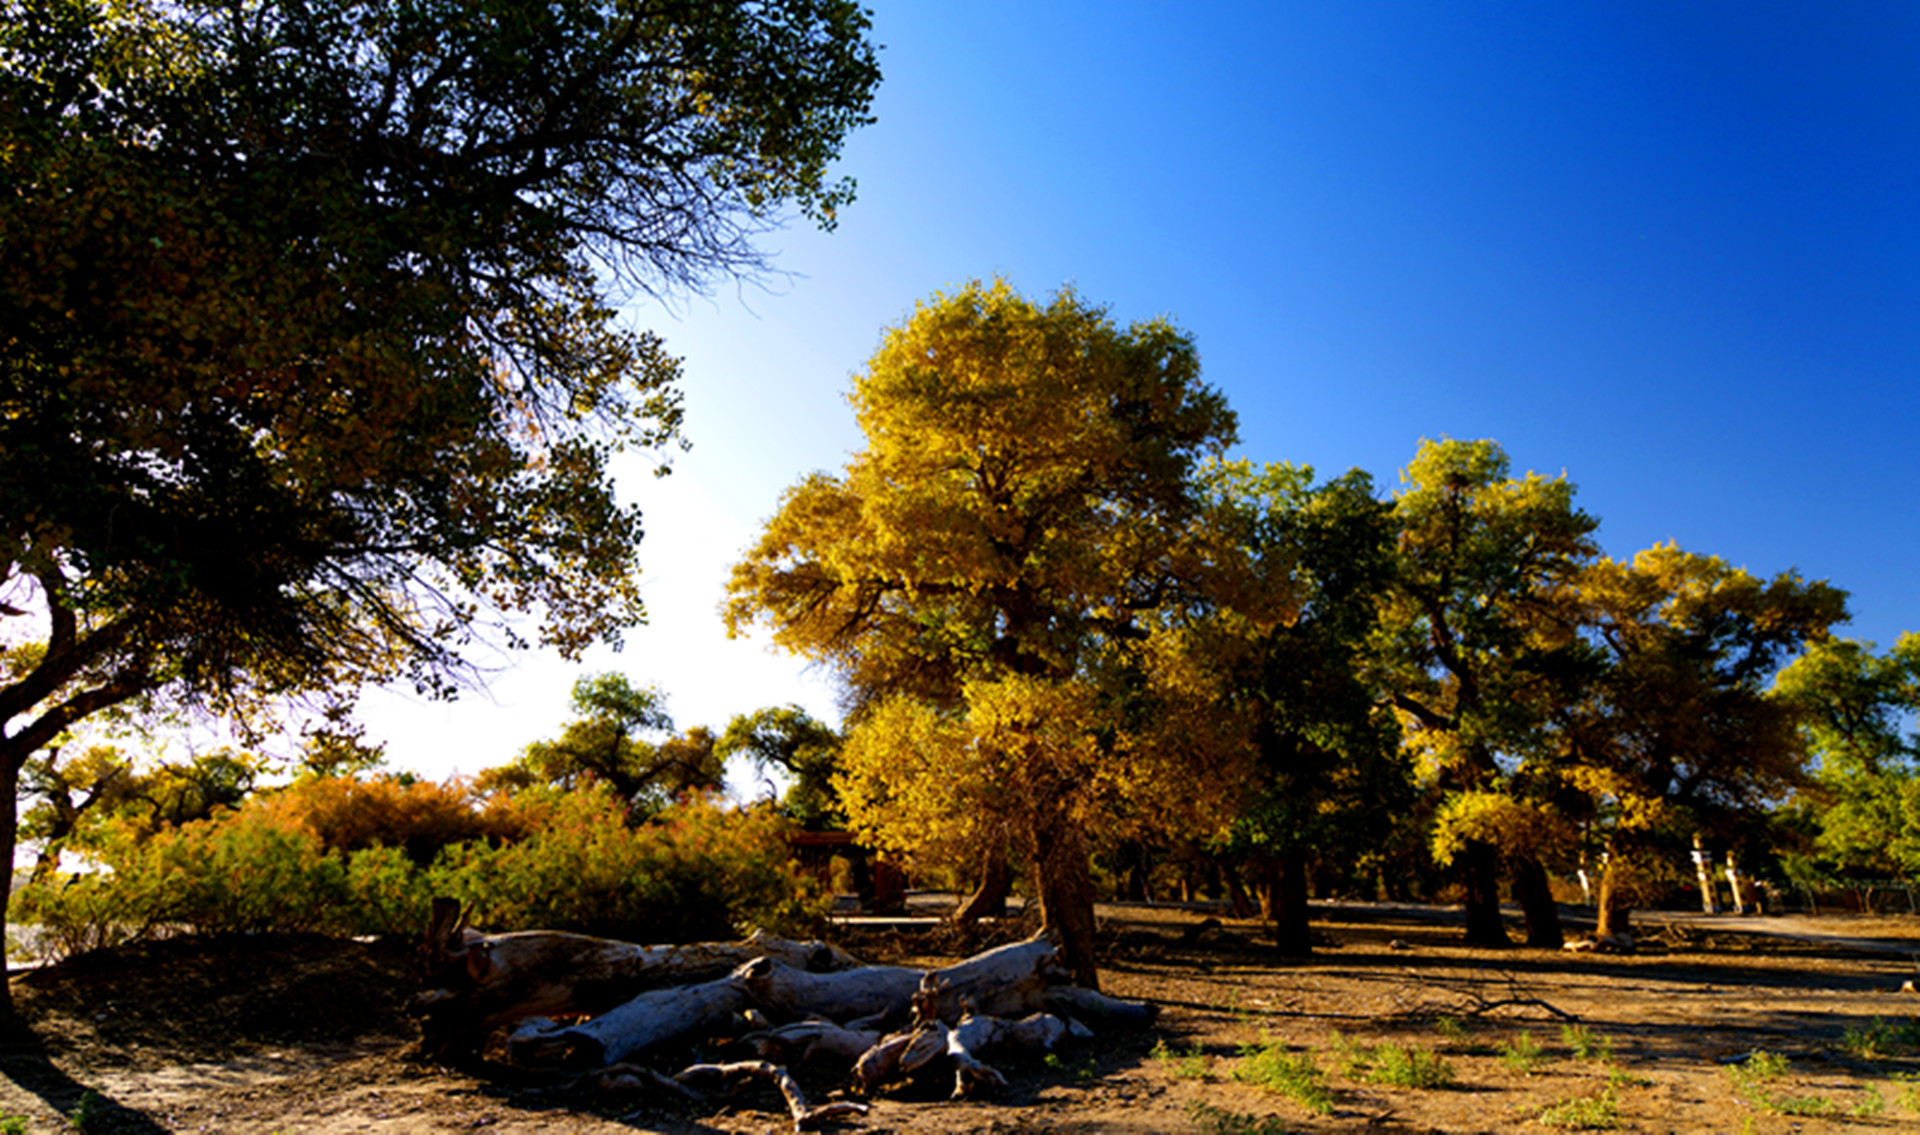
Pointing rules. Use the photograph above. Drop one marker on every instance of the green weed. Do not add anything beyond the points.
(1523, 1054)
(1192, 1064)
(1909, 1097)
(85, 1114)
(1297, 1077)
(13, 1125)
(1403, 1067)
(1219, 1121)
(1598, 1112)
(1753, 1082)
(1452, 1030)
(1586, 1044)
(1087, 1069)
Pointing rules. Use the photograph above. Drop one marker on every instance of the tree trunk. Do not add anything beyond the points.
(1236, 891)
(10, 763)
(1536, 900)
(1064, 882)
(1480, 872)
(1616, 905)
(989, 899)
(1287, 884)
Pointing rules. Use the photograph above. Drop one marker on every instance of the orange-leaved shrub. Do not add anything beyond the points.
(418, 817)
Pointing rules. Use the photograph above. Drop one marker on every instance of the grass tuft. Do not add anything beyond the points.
(1296, 1076)
(1598, 1112)
(1523, 1054)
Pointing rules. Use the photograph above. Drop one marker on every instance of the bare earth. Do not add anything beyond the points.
(306, 1035)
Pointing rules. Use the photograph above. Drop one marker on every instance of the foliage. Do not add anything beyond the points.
(696, 872)
(600, 747)
(419, 818)
(1523, 1054)
(1476, 645)
(308, 367)
(274, 864)
(1191, 1064)
(1586, 1044)
(1855, 711)
(1018, 511)
(1679, 735)
(1398, 1065)
(1296, 1076)
(1597, 1112)
(1756, 1078)
(1210, 1120)
(787, 738)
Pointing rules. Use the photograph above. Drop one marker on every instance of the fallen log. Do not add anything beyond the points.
(805, 1115)
(654, 1018)
(1010, 979)
(474, 983)
(803, 1042)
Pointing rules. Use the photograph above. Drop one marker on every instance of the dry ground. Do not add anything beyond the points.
(305, 1035)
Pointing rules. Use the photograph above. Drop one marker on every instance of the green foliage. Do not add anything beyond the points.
(789, 739)
(1523, 1054)
(1597, 1112)
(1397, 1065)
(699, 872)
(1586, 1044)
(1087, 1069)
(1855, 712)
(1210, 1120)
(600, 747)
(1755, 1081)
(1191, 1064)
(13, 1125)
(1296, 1076)
(85, 1115)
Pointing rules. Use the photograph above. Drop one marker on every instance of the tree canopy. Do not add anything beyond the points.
(1017, 512)
(308, 364)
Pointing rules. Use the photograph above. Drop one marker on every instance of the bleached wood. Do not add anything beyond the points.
(805, 1115)
(655, 1017)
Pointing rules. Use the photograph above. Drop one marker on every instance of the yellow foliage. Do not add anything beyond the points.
(1515, 825)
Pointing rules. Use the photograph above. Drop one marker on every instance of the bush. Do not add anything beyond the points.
(418, 817)
(699, 872)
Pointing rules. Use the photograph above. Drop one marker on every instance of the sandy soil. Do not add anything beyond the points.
(306, 1035)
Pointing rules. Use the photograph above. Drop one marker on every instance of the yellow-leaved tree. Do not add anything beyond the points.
(981, 574)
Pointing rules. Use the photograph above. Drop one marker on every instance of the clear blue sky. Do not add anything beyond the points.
(1670, 249)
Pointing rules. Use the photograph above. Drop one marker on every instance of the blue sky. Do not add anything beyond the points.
(1671, 250)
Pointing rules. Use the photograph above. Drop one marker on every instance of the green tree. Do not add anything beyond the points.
(1680, 736)
(1015, 516)
(602, 745)
(807, 751)
(1478, 648)
(1286, 644)
(307, 365)
(1856, 711)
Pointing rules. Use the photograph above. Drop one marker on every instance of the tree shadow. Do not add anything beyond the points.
(24, 1060)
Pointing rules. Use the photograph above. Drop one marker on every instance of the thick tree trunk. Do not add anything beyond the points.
(1236, 891)
(989, 899)
(1535, 892)
(1287, 884)
(1616, 905)
(1064, 881)
(10, 763)
(1480, 872)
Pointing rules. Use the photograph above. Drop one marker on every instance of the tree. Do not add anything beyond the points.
(307, 366)
(1477, 641)
(1283, 637)
(808, 751)
(601, 746)
(1679, 736)
(982, 566)
(1855, 711)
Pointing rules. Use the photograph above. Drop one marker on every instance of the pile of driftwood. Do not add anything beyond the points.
(599, 1007)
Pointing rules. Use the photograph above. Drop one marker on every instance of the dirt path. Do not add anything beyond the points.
(273, 1035)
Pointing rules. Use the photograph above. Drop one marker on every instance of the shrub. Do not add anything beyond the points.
(1599, 1112)
(701, 872)
(1523, 1054)
(419, 817)
(697, 872)
(1587, 1044)
(1297, 1077)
